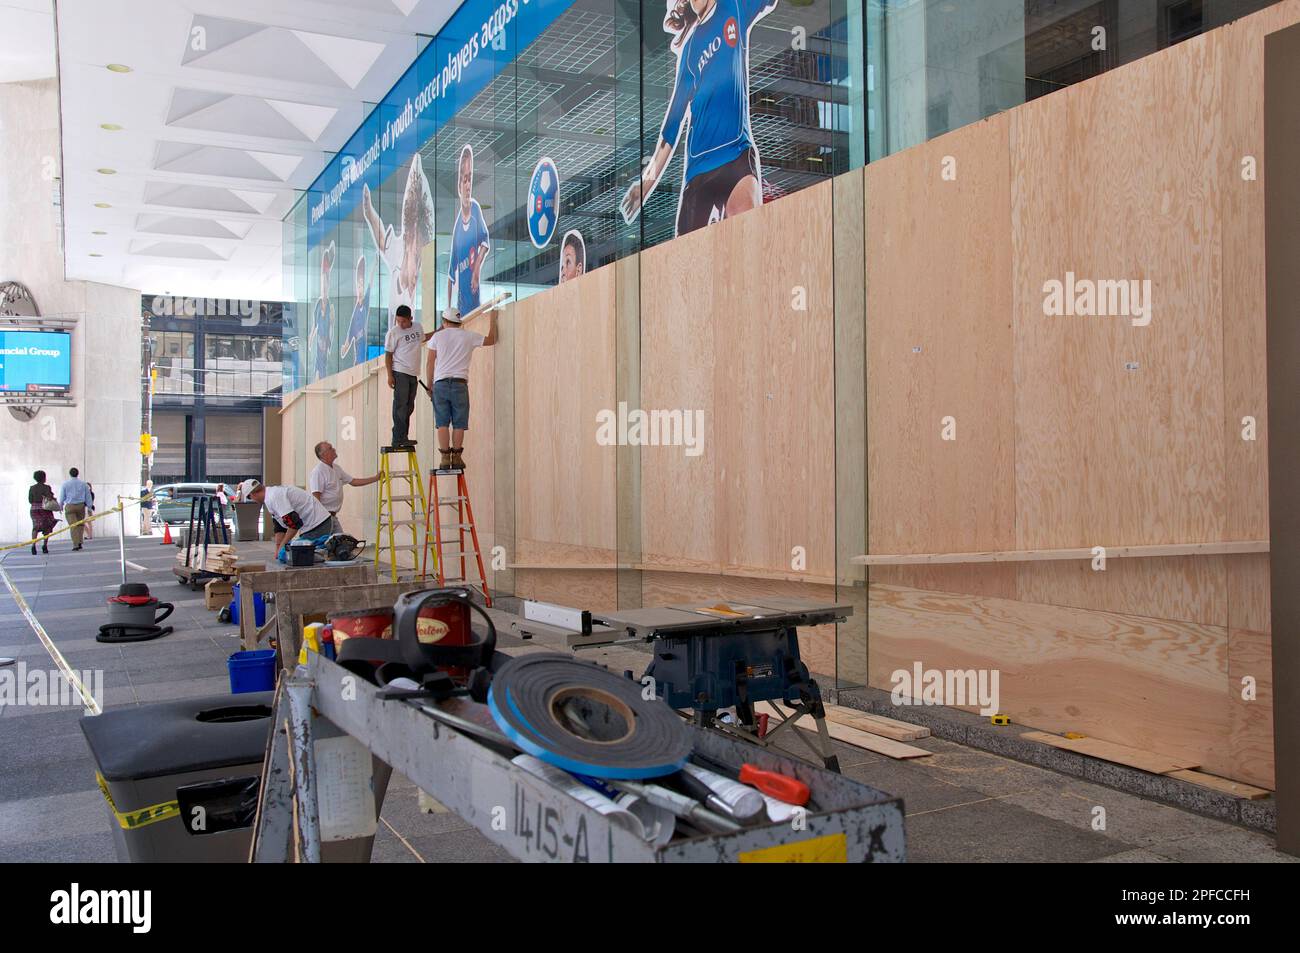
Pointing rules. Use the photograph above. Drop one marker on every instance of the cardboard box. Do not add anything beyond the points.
(218, 593)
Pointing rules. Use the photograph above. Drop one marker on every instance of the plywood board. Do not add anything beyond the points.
(1250, 746)
(876, 724)
(678, 493)
(939, 345)
(848, 735)
(564, 377)
(739, 345)
(976, 579)
(1151, 684)
(1249, 593)
(1235, 788)
(774, 402)
(1187, 588)
(1109, 751)
(594, 590)
(1119, 435)
(1245, 387)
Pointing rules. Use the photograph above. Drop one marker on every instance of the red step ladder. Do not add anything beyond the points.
(464, 521)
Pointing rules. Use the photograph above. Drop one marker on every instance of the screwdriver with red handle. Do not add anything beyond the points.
(773, 784)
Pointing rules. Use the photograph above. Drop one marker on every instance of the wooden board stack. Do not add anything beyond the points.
(221, 558)
(859, 729)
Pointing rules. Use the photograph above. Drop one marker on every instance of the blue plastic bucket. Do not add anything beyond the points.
(259, 608)
(252, 671)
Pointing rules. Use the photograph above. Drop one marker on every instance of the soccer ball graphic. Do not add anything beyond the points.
(543, 202)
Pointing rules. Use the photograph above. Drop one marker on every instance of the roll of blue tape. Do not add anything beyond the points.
(585, 719)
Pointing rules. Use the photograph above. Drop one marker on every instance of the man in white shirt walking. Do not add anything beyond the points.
(75, 498)
(294, 508)
(402, 360)
(327, 478)
(450, 351)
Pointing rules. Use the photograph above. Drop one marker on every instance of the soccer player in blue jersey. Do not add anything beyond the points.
(722, 176)
(469, 241)
(352, 343)
(322, 319)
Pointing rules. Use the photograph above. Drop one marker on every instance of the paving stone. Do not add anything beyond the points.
(993, 831)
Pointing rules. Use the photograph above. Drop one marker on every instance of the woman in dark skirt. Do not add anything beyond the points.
(42, 519)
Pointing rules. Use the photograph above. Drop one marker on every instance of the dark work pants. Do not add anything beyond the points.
(405, 386)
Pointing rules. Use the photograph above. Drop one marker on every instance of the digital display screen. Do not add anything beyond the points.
(35, 362)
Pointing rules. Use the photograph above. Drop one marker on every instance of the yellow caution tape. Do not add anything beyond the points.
(133, 820)
(69, 675)
(69, 526)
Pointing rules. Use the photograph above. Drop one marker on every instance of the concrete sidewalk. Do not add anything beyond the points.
(962, 804)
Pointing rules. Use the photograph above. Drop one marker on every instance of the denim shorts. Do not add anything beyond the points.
(451, 403)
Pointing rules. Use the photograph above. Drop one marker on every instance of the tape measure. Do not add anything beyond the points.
(1001, 719)
(585, 719)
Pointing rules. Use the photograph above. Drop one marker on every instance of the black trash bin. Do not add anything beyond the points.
(180, 778)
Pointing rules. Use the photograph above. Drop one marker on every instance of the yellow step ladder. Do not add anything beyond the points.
(409, 494)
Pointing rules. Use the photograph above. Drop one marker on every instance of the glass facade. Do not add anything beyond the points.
(510, 156)
(536, 139)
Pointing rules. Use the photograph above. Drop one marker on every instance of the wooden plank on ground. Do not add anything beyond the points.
(876, 724)
(852, 736)
(1236, 788)
(1109, 751)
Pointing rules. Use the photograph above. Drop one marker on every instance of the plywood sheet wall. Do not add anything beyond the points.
(1119, 436)
(564, 376)
(737, 324)
(939, 345)
(679, 525)
(1116, 433)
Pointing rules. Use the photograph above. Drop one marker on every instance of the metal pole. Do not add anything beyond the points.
(121, 536)
(303, 752)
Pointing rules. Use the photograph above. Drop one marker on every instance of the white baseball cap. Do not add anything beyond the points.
(451, 314)
(247, 487)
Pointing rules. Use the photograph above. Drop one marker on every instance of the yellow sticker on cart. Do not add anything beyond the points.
(831, 849)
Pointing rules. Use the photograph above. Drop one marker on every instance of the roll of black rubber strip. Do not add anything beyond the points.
(585, 719)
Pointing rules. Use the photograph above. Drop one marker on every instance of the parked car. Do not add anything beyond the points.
(172, 501)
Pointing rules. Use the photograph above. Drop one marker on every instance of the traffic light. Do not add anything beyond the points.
(146, 444)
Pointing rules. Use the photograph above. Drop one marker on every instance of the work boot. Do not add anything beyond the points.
(445, 460)
(457, 461)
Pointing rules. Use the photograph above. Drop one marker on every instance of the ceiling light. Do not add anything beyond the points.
(118, 68)
(99, 232)
(95, 254)
(107, 171)
(110, 126)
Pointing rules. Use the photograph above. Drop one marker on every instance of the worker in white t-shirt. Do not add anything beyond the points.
(402, 361)
(327, 479)
(294, 508)
(450, 351)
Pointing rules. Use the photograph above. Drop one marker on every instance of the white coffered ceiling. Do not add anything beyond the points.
(230, 109)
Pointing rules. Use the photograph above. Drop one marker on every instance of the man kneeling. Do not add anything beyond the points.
(298, 511)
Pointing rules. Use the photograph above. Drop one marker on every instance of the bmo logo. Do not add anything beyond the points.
(731, 31)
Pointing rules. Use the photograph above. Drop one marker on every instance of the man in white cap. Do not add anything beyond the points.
(300, 513)
(447, 372)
